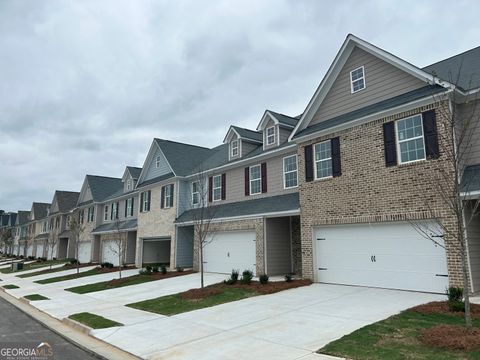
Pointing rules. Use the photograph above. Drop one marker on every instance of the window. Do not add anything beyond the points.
(255, 180)
(158, 161)
(114, 211)
(195, 193)
(357, 79)
(129, 207)
(217, 188)
(168, 197)
(234, 148)
(81, 216)
(105, 213)
(145, 201)
(323, 160)
(44, 229)
(271, 135)
(90, 214)
(290, 172)
(410, 141)
(129, 184)
(68, 220)
(57, 222)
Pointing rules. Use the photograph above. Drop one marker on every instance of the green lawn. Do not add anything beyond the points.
(34, 265)
(35, 297)
(396, 338)
(91, 272)
(10, 286)
(174, 304)
(105, 285)
(47, 271)
(94, 321)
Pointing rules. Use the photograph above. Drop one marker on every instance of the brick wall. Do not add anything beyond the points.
(368, 191)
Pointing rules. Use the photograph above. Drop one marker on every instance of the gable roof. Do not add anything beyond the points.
(283, 120)
(103, 187)
(12, 219)
(66, 200)
(22, 217)
(134, 172)
(337, 65)
(463, 69)
(243, 133)
(40, 210)
(181, 157)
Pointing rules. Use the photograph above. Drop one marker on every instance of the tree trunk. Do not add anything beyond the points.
(201, 264)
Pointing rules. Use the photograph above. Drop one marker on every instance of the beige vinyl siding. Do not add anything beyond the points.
(279, 258)
(235, 181)
(471, 113)
(383, 81)
(248, 147)
(473, 238)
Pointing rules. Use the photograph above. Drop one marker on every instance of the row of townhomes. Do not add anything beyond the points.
(343, 193)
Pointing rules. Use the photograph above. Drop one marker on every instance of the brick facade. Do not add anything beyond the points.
(368, 191)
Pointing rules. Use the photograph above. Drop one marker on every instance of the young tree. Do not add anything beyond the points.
(458, 133)
(77, 230)
(52, 240)
(119, 246)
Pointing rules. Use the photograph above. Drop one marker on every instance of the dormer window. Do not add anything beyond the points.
(234, 148)
(129, 184)
(271, 135)
(357, 79)
(158, 160)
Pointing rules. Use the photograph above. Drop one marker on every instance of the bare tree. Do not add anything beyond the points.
(458, 132)
(77, 231)
(52, 240)
(119, 245)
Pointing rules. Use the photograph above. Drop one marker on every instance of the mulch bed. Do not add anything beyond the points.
(106, 270)
(154, 276)
(264, 289)
(451, 337)
(441, 307)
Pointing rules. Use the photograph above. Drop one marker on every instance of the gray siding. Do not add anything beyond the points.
(153, 171)
(279, 252)
(185, 246)
(473, 238)
(131, 247)
(248, 147)
(470, 113)
(184, 197)
(383, 81)
(284, 134)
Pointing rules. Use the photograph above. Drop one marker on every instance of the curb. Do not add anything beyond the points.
(77, 326)
(70, 333)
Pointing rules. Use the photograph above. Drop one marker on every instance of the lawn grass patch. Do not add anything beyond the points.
(35, 297)
(34, 265)
(10, 286)
(67, 266)
(212, 295)
(127, 281)
(96, 271)
(94, 321)
(399, 337)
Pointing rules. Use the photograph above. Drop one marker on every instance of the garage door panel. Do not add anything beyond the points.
(109, 252)
(390, 255)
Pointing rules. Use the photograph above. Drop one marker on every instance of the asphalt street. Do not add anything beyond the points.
(15, 326)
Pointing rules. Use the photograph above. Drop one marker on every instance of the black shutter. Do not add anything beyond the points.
(247, 181)
(149, 199)
(172, 187)
(111, 211)
(133, 206)
(308, 163)
(210, 188)
(336, 160)
(116, 212)
(389, 143)
(162, 198)
(264, 177)
(141, 201)
(430, 134)
(224, 186)
(126, 206)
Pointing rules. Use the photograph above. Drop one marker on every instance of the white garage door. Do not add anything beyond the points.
(225, 251)
(40, 249)
(85, 252)
(110, 251)
(387, 255)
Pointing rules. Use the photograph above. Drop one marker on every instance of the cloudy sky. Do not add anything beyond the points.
(86, 85)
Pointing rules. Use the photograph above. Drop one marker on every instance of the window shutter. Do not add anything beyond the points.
(126, 206)
(308, 163)
(111, 211)
(389, 143)
(141, 201)
(149, 199)
(336, 161)
(430, 133)
(117, 212)
(172, 187)
(162, 198)
(133, 206)
(210, 188)
(264, 177)
(247, 181)
(224, 186)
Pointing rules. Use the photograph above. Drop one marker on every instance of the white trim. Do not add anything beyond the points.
(340, 59)
(232, 129)
(322, 160)
(470, 194)
(397, 141)
(283, 165)
(244, 217)
(213, 187)
(236, 147)
(166, 204)
(274, 135)
(149, 159)
(197, 192)
(250, 179)
(352, 90)
(267, 115)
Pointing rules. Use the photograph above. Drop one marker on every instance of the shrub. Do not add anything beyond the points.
(179, 269)
(54, 259)
(456, 306)
(264, 279)
(288, 277)
(109, 265)
(163, 269)
(143, 272)
(148, 268)
(155, 269)
(234, 275)
(247, 277)
(74, 261)
(229, 281)
(455, 299)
